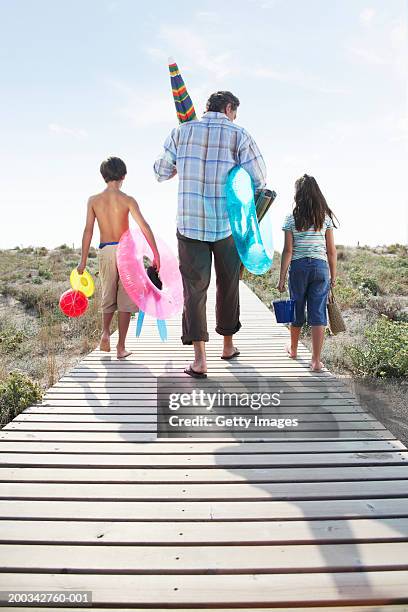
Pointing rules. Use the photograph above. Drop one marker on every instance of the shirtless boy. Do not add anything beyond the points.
(111, 209)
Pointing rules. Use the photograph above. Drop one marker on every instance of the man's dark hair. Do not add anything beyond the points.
(113, 169)
(218, 101)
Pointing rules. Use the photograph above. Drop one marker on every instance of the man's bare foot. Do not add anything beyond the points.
(230, 352)
(195, 373)
(199, 366)
(316, 366)
(122, 353)
(292, 354)
(105, 343)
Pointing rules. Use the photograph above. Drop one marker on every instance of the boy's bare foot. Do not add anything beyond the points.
(122, 353)
(316, 366)
(105, 343)
(292, 354)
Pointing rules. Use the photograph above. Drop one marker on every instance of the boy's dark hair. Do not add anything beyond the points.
(218, 101)
(113, 169)
(310, 205)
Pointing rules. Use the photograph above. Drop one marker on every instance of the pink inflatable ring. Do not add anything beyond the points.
(160, 303)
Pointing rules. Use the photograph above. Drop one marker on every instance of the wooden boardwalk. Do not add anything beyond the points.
(92, 500)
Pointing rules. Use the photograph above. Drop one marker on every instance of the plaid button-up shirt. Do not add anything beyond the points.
(202, 153)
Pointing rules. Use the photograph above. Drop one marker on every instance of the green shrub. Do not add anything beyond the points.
(341, 255)
(37, 280)
(44, 273)
(349, 297)
(369, 286)
(17, 392)
(366, 284)
(42, 251)
(385, 353)
(390, 306)
(356, 275)
(37, 298)
(397, 249)
(10, 337)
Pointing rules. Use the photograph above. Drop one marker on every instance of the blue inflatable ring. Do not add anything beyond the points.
(253, 240)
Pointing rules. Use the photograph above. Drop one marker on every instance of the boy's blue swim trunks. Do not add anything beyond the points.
(309, 285)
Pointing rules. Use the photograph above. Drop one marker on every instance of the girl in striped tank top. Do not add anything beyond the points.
(310, 255)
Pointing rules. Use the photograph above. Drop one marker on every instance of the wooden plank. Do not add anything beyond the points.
(220, 447)
(139, 436)
(378, 608)
(59, 412)
(323, 399)
(201, 532)
(205, 491)
(332, 423)
(149, 423)
(92, 417)
(382, 587)
(150, 382)
(197, 475)
(122, 375)
(239, 559)
(204, 510)
(100, 456)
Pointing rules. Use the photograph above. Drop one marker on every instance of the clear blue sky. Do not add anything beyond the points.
(322, 84)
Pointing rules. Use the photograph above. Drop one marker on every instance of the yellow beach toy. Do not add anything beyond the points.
(82, 282)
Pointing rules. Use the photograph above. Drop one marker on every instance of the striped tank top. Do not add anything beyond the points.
(309, 243)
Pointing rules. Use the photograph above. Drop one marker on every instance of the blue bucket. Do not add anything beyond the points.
(284, 311)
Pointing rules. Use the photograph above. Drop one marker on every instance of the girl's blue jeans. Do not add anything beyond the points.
(309, 285)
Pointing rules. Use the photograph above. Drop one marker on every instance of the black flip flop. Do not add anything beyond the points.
(232, 356)
(194, 374)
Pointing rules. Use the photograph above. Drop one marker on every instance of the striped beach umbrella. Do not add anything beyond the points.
(184, 106)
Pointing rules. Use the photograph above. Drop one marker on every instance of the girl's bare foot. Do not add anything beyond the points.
(122, 353)
(105, 343)
(316, 366)
(292, 354)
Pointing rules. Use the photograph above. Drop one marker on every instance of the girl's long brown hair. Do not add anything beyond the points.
(310, 205)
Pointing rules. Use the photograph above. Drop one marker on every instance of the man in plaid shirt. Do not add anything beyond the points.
(202, 153)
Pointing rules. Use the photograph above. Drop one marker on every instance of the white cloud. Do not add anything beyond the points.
(178, 39)
(391, 127)
(367, 15)
(397, 127)
(264, 4)
(56, 128)
(267, 73)
(145, 110)
(112, 6)
(307, 81)
(399, 45)
(384, 43)
(140, 107)
(339, 132)
(208, 16)
(367, 55)
(156, 54)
